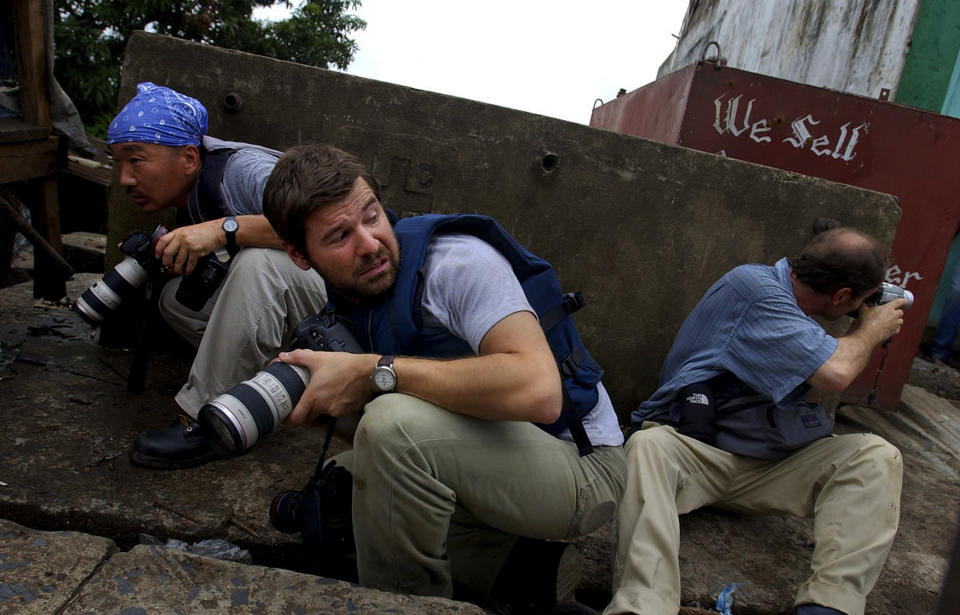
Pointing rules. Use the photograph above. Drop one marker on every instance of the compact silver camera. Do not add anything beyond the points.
(887, 293)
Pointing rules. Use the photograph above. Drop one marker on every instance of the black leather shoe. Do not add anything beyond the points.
(177, 446)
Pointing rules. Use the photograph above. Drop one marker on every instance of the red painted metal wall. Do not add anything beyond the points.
(910, 153)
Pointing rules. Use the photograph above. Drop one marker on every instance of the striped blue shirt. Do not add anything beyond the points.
(749, 324)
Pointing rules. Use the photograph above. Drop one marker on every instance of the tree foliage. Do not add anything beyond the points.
(91, 35)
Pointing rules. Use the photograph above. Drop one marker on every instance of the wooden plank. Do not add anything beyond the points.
(29, 159)
(14, 129)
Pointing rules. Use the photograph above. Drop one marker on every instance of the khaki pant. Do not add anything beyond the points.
(439, 498)
(245, 325)
(850, 484)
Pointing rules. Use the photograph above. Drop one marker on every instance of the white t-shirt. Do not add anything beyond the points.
(468, 288)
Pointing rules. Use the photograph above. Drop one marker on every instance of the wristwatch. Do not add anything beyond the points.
(230, 227)
(383, 376)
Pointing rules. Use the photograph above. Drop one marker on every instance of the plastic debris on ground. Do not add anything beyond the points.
(210, 547)
(725, 599)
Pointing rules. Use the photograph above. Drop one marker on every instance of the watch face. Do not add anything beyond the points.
(384, 379)
(230, 225)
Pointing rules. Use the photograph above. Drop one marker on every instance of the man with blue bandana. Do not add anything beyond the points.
(165, 159)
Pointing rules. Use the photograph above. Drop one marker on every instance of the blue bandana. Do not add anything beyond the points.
(161, 116)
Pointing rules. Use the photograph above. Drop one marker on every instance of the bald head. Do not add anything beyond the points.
(841, 258)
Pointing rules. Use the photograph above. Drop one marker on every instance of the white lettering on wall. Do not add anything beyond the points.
(894, 276)
(804, 135)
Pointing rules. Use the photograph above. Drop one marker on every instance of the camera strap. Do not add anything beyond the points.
(326, 444)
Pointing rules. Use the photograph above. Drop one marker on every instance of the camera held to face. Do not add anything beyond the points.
(887, 293)
(122, 282)
(250, 410)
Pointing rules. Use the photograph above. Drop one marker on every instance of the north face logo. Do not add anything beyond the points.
(698, 398)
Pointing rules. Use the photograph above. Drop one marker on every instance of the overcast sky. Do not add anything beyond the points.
(554, 58)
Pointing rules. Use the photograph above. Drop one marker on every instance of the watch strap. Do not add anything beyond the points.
(231, 235)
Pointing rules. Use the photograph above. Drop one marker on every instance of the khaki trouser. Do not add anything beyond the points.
(245, 325)
(439, 498)
(850, 484)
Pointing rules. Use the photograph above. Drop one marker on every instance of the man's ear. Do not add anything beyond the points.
(296, 256)
(191, 159)
(841, 295)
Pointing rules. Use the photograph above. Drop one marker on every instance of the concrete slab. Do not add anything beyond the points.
(149, 579)
(85, 251)
(642, 228)
(926, 424)
(40, 572)
(65, 461)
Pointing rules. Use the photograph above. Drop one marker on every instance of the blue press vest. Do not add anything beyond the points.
(204, 201)
(394, 325)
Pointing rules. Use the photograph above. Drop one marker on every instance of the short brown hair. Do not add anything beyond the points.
(306, 177)
(841, 257)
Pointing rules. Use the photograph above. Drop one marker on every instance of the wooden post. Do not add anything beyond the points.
(34, 79)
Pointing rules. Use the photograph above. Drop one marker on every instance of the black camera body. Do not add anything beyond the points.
(139, 246)
(322, 513)
(198, 286)
(324, 332)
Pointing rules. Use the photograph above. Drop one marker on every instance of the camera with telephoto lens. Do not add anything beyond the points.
(887, 293)
(121, 283)
(250, 410)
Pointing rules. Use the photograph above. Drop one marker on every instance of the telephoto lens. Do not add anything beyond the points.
(103, 298)
(120, 283)
(253, 408)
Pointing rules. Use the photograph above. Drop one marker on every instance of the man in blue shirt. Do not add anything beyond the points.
(728, 427)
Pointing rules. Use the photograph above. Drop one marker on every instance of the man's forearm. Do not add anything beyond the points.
(515, 377)
(854, 349)
(496, 386)
(847, 361)
(255, 232)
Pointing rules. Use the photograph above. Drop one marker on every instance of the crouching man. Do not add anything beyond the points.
(165, 159)
(462, 464)
(728, 427)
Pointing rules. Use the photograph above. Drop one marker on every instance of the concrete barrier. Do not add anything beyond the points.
(641, 227)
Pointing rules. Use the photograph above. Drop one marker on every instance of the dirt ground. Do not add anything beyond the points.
(70, 421)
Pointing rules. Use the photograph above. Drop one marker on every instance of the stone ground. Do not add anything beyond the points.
(70, 421)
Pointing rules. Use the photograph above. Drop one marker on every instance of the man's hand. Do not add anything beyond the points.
(180, 249)
(874, 326)
(339, 383)
(885, 320)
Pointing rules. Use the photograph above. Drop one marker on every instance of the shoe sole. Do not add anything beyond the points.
(161, 463)
(569, 572)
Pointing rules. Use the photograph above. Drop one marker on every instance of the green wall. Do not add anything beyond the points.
(925, 83)
(933, 53)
